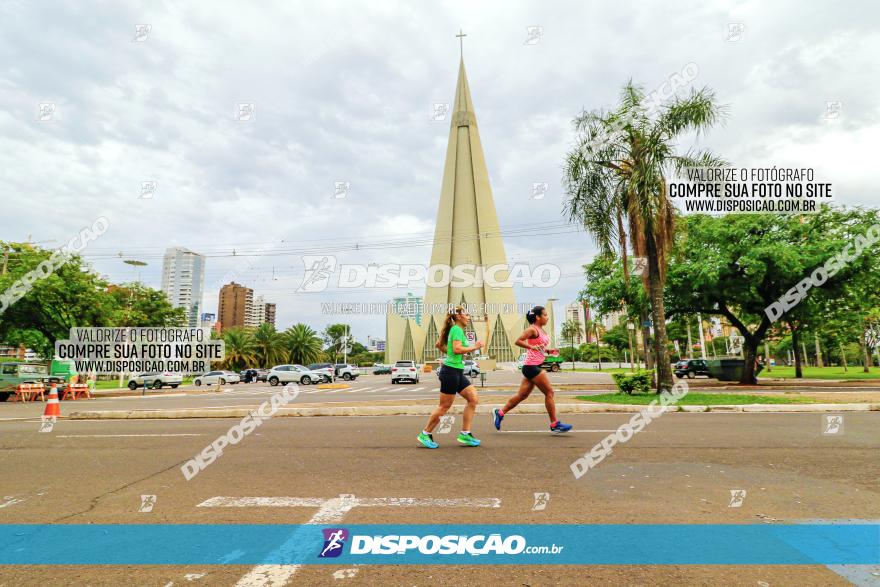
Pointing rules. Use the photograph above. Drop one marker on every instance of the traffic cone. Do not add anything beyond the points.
(53, 408)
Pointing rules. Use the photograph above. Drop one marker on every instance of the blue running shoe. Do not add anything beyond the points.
(559, 428)
(427, 440)
(498, 418)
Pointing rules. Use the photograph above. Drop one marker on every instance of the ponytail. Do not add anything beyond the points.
(533, 314)
(450, 320)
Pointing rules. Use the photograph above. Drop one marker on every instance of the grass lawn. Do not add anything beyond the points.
(854, 372)
(696, 399)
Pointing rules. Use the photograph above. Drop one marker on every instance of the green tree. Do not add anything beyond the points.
(737, 265)
(240, 349)
(337, 337)
(570, 330)
(139, 305)
(303, 344)
(270, 347)
(72, 295)
(615, 179)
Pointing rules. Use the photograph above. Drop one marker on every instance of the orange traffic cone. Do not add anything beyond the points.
(53, 408)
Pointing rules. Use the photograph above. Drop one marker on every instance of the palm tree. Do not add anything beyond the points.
(240, 350)
(303, 344)
(615, 179)
(269, 345)
(570, 329)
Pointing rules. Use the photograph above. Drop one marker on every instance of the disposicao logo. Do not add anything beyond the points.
(334, 540)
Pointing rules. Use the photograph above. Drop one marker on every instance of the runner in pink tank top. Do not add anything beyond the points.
(535, 341)
(535, 355)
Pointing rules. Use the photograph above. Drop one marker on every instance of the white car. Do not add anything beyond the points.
(405, 371)
(293, 374)
(155, 380)
(216, 378)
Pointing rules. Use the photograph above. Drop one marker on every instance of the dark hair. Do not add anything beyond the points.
(533, 314)
(450, 320)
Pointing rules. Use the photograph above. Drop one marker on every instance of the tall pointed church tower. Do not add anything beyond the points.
(466, 233)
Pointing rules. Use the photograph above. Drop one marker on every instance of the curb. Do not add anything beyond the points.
(456, 409)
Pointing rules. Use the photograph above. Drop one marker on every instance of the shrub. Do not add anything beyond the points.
(638, 382)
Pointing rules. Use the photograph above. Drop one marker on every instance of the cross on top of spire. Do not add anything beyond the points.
(461, 37)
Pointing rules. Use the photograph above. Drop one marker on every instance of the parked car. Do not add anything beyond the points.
(471, 368)
(346, 371)
(156, 380)
(216, 378)
(405, 371)
(253, 375)
(326, 369)
(380, 369)
(294, 374)
(551, 362)
(691, 368)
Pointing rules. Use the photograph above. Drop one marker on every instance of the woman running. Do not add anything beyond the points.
(535, 340)
(453, 380)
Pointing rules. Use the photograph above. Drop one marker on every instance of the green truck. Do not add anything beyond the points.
(551, 362)
(13, 373)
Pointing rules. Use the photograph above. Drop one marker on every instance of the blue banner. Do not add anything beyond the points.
(252, 544)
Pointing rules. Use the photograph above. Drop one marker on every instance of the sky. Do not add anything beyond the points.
(345, 92)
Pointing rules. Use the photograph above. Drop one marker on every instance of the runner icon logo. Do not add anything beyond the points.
(334, 540)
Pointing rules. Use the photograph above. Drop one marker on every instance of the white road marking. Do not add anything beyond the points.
(118, 435)
(10, 501)
(547, 431)
(345, 573)
(330, 511)
(287, 502)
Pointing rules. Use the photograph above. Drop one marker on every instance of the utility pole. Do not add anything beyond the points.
(5, 258)
(767, 356)
(804, 348)
(843, 356)
(818, 351)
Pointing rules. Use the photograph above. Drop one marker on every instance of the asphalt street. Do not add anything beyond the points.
(680, 469)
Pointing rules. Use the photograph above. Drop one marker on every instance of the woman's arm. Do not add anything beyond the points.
(460, 349)
(529, 332)
(440, 345)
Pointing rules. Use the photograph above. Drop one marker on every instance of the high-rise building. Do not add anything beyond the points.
(239, 307)
(183, 281)
(269, 316)
(575, 312)
(236, 301)
(466, 233)
(255, 313)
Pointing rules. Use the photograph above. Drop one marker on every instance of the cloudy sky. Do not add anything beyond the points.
(344, 92)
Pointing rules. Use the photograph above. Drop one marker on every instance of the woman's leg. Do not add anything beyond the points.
(473, 398)
(543, 383)
(525, 389)
(446, 400)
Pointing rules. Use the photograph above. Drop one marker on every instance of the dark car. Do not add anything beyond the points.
(691, 368)
(253, 375)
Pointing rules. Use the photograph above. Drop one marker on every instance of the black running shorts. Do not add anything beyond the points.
(531, 371)
(453, 380)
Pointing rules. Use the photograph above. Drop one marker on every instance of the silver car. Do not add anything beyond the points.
(217, 378)
(156, 380)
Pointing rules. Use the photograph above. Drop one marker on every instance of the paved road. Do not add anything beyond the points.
(679, 469)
